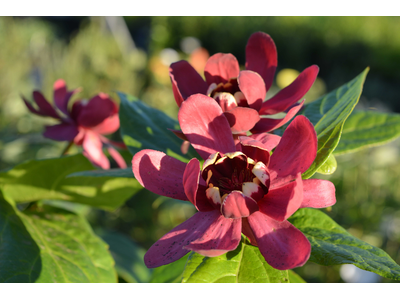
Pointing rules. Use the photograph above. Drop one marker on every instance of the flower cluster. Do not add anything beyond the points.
(84, 124)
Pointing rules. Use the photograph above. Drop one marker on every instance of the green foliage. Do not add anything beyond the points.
(47, 179)
(295, 278)
(328, 115)
(329, 166)
(245, 264)
(332, 245)
(120, 173)
(171, 273)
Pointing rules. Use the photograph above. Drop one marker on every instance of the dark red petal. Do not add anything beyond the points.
(169, 248)
(61, 132)
(99, 108)
(159, 173)
(31, 108)
(295, 152)
(220, 68)
(205, 126)
(254, 149)
(44, 106)
(61, 95)
(241, 119)
(191, 179)
(117, 157)
(318, 193)
(221, 236)
(261, 57)
(282, 245)
(236, 206)
(185, 81)
(288, 96)
(267, 124)
(246, 230)
(268, 140)
(108, 126)
(253, 88)
(93, 150)
(284, 201)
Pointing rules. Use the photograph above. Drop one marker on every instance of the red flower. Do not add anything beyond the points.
(84, 124)
(241, 93)
(239, 189)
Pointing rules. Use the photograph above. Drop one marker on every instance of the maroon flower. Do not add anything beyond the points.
(239, 189)
(84, 124)
(241, 93)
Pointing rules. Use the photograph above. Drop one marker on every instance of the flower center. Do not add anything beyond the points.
(227, 185)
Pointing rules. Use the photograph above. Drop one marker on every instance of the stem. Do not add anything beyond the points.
(67, 148)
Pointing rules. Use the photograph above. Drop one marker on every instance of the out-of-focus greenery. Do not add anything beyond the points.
(34, 52)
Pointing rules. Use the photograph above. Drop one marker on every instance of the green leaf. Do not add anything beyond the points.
(333, 245)
(365, 129)
(328, 115)
(128, 257)
(245, 264)
(295, 278)
(121, 173)
(144, 127)
(171, 273)
(47, 179)
(329, 167)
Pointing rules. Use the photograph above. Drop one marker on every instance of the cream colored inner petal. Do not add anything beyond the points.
(226, 100)
(213, 194)
(260, 171)
(250, 188)
(211, 88)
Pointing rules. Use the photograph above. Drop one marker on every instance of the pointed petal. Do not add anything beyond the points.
(267, 124)
(261, 57)
(169, 248)
(246, 230)
(159, 173)
(31, 108)
(44, 106)
(253, 87)
(185, 81)
(93, 150)
(284, 201)
(295, 152)
(205, 126)
(108, 126)
(268, 140)
(62, 96)
(61, 132)
(282, 245)
(236, 206)
(220, 68)
(242, 119)
(96, 111)
(318, 193)
(117, 157)
(288, 96)
(254, 149)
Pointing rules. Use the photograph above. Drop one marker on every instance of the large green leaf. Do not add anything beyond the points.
(121, 173)
(144, 127)
(47, 179)
(365, 129)
(245, 264)
(333, 245)
(171, 273)
(328, 115)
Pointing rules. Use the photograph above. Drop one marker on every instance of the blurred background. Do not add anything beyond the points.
(133, 54)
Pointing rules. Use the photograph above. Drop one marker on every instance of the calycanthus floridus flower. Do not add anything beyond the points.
(85, 124)
(241, 93)
(239, 189)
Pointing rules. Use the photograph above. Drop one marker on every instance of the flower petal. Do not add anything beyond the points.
(185, 81)
(288, 96)
(99, 108)
(284, 201)
(318, 193)
(31, 108)
(220, 68)
(295, 152)
(169, 248)
(282, 245)
(260, 170)
(44, 106)
(93, 150)
(159, 173)
(203, 123)
(61, 132)
(261, 57)
(62, 96)
(267, 124)
(242, 119)
(236, 205)
(268, 140)
(108, 126)
(253, 87)
(117, 157)
(226, 100)
(221, 236)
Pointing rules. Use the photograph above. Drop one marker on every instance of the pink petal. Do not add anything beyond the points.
(236, 206)
(254, 149)
(268, 140)
(261, 57)
(44, 106)
(108, 126)
(221, 236)
(267, 124)
(205, 126)
(220, 68)
(169, 248)
(62, 96)
(159, 173)
(282, 245)
(61, 132)
(246, 230)
(252, 86)
(241, 119)
(191, 179)
(292, 93)
(318, 193)
(117, 157)
(295, 152)
(185, 81)
(226, 100)
(284, 201)
(93, 150)
(96, 111)
(179, 134)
